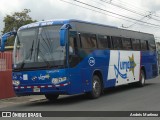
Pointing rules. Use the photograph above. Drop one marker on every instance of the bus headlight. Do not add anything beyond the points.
(58, 80)
(16, 82)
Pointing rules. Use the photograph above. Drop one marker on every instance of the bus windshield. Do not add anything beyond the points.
(38, 48)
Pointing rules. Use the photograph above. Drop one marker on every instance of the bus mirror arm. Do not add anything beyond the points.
(64, 34)
(4, 39)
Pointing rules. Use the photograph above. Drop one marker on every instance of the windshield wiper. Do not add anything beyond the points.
(31, 49)
(42, 56)
(48, 45)
(29, 56)
(22, 64)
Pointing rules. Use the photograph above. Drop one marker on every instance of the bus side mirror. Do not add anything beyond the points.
(64, 34)
(63, 37)
(4, 39)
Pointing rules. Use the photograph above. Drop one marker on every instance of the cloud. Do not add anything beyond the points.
(56, 9)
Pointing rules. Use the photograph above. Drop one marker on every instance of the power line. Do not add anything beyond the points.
(133, 11)
(109, 14)
(151, 14)
(140, 9)
(116, 13)
(134, 23)
(95, 10)
(132, 6)
(122, 7)
(109, 2)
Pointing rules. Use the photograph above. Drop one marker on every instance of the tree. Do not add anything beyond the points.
(14, 21)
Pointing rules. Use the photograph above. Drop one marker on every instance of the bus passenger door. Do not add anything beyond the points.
(74, 60)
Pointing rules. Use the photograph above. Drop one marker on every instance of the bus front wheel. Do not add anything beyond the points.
(51, 97)
(96, 87)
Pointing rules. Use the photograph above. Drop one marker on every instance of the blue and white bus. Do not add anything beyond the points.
(72, 57)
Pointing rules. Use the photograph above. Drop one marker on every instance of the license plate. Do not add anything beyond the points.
(36, 89)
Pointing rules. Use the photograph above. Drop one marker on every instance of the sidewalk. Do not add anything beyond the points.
(19, 100)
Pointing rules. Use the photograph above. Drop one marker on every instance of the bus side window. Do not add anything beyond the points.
(93, 38)
(88, 41)
(109, 42)
(143, 45)
(117, 43)
(151, 45)
(136, 44)
(127, 44)
(73, 43)
(147, 44)
(103, 41)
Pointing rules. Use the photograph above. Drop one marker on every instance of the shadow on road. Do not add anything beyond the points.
(123, 88)
(83, 97)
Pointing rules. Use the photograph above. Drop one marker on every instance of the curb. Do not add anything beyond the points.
(19, 100)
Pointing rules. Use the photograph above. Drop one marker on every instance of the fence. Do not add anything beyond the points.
(6, 88)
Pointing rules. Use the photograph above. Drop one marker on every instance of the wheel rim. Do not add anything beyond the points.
(96, 87)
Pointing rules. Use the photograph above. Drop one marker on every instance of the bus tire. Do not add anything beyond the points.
(96, 88)
(51, 97)
(141, 82)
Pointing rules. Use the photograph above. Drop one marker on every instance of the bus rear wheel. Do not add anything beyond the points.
(96, 87)
(141, 82)
(51, 97)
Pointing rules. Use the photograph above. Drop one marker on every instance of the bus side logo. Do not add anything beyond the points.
(91, 61)
(124, 65)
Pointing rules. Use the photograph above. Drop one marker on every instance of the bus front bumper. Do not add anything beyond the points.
(41, 89)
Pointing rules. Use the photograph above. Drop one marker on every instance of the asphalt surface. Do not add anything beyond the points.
(123, 98)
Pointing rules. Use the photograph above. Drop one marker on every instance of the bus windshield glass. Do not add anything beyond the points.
(38, 47)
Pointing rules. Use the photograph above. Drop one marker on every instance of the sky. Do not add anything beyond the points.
(119, 13)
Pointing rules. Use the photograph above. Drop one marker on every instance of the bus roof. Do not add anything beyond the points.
(65, 21)
(58, 22)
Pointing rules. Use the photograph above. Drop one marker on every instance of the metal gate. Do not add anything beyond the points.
(6, 88)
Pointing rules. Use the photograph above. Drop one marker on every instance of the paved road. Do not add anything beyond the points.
(124, 98)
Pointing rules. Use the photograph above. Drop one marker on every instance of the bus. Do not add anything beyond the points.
(59, 57)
